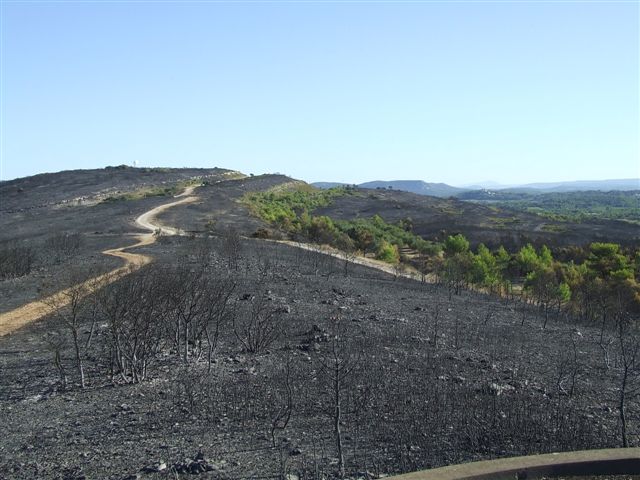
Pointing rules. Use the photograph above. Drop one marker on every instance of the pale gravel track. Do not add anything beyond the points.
(14, 319)
(407, 272)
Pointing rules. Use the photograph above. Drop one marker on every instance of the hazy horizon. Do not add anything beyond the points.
(520, 92)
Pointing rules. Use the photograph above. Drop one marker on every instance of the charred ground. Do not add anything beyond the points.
(436, 379)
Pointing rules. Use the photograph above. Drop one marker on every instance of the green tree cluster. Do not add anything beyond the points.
(291, 211)
(604, 283)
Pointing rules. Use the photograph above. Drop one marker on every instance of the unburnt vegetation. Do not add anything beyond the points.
(576, 206)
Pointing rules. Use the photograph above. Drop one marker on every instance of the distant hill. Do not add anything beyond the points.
(416, 186)
(413, 186)
(485, 185)
(483, 189)
(626, 184)
(583, 185)
(327, 185)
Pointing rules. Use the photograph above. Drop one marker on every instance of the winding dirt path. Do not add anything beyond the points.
(21, 316)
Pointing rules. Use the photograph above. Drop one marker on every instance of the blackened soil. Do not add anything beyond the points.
(436, 381)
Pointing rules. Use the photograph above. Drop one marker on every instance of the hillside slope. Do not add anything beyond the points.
(49, 189)
(435, 218)
(414, 186)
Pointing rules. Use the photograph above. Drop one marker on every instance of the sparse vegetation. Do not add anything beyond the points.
(16, 261)
(63, 245)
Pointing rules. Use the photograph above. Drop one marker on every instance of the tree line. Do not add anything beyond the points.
(599, 281)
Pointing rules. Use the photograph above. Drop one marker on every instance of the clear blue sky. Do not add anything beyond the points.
(347, 91)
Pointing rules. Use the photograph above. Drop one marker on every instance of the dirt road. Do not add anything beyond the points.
(406, 271)
(14, 319)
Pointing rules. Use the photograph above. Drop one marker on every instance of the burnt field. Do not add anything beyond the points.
(302, 363)
(50, 221)
(76, 187)
(48, 237)
(46, 241)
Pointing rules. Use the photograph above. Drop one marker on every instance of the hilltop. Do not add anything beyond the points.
(81, 186)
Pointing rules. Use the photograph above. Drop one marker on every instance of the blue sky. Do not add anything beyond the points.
(455, 92)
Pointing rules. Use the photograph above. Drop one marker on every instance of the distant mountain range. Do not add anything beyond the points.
(444, 190)
(582, 185)
(413, 186)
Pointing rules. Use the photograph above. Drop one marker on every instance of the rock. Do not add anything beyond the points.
(498, 390)
(295, 451)
(74, 474)
(194, 467)
(154, 468)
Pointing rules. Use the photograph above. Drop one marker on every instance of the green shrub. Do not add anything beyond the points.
(388, 253)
